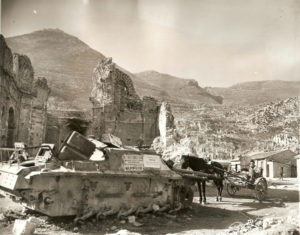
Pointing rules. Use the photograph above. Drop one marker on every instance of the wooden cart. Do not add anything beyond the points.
(235, 182)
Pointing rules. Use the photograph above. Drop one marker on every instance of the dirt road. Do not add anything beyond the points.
(213, 218)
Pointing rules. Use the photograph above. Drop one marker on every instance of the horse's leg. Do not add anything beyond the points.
(217, 186)
(203, 189)
(221, 189)
(199, 190)
(219, 192)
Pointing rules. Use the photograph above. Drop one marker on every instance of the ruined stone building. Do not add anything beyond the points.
(117, 109)
(61, 122)
(22, 100)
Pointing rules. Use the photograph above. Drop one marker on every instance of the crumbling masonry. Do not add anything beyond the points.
(22, 100)
(117, 109)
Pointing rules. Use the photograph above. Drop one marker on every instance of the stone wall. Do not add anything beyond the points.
(117, 109)
(166, 122)
(23, 72)
(22, 100)
(60, 123)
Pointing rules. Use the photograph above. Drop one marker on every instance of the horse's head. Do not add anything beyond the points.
(185, 162)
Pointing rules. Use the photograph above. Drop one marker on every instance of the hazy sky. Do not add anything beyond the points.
(217, 42)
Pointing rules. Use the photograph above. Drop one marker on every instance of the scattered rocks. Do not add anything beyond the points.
(12, 215)
(75, 229)
(113, 228)
(259, 223)
(2, 217)
(155, 207)
(25, 227)
(265, 225)
(131, 220)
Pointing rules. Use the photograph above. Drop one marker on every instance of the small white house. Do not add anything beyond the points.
(276, 163)
(235, 165)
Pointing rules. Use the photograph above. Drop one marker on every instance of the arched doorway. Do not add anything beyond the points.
(11, 128)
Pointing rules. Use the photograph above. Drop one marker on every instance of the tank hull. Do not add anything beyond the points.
(127, 180)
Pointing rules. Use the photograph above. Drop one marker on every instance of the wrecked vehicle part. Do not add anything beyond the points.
(86, 216)
(71, 185)
(125, 211)
(144, 210)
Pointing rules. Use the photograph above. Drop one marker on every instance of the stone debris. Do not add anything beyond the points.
(2, 217)
(9, 216)
(155, 207)
(131, 220)
(113, 228)
(111, 140)
(25, 227)
(267, 225)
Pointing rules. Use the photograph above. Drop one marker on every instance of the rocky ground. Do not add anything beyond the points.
(225, 132)
(238, 215)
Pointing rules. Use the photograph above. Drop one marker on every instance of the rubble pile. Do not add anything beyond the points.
(25, 227)
(266, 225)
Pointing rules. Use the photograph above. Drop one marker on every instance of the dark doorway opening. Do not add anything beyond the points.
(11, 128)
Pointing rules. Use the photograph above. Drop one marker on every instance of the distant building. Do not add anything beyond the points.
(235, 165)
(275, 162)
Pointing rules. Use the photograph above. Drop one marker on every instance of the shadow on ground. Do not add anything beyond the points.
(214, 215)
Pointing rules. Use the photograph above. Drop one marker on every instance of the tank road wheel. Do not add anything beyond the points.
(261, 188)
(231, 190)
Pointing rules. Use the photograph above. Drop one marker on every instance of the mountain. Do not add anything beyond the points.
(174, 89)
(67, 63)
(251, 93)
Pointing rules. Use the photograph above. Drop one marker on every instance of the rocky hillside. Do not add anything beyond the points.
(225, 132)
(175, 89)
(68, 63)
(251, 93)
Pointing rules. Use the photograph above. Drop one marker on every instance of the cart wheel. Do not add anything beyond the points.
(260, 188)
(231, 189)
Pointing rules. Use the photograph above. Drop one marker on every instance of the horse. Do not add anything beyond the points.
(215, 168)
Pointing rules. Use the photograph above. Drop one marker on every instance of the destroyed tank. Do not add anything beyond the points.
(69, 184)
